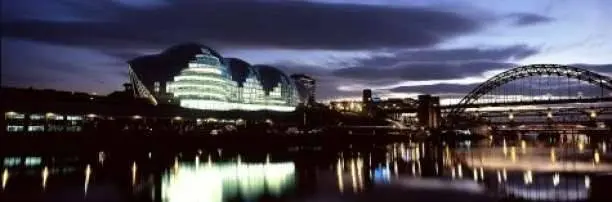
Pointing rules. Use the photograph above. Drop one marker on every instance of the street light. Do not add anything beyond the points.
(593, 114)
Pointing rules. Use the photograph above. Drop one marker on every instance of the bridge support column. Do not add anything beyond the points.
(428, 111)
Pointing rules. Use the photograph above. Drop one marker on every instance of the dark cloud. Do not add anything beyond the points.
(530, 86)
(423, 71)
(524, 19)
(435, 89)
(286, 24)
(422, 65)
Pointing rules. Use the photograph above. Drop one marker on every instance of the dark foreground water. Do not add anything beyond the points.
(488, 170)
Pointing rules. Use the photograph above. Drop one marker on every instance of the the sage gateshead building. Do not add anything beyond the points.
(195, 76)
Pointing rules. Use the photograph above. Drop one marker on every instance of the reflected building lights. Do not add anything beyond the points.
(459, 171)
(101, 157)
(553, 155)
(523, 147)
(596, 157)
(475, 174)
(353, 176)
(505, 175)
(134, 170)
(481, 174)
(499, 177)
(248, 181)
(505, 148)
(5, 177)
(45, 175)
(528, 177)
(604, 147)
(580, 146)
(339, 176)
(395, 169)
(513, 154)
(587, 182)
(360, 172)
(87, 174)
(423, 150)
(555, 179)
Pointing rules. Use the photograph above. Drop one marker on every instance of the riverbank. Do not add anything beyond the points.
(70, 142)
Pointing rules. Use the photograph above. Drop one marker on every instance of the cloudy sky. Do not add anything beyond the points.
(396, 47)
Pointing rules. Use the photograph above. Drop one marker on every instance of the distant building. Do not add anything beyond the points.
(306, 87)
(195, 76)
(34, 111)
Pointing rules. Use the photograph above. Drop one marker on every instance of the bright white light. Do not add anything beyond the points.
(225, 106)
(207, 85)
(219, 182)
(5, 176)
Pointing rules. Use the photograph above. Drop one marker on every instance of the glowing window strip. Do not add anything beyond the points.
(205, 70)
(224, 106)
(199, 93)
(179, 87)
(199, 78)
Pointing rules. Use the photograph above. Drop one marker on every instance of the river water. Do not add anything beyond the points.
(487, 170)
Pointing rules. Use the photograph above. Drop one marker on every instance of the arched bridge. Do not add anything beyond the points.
(604, 82)
(554, 85)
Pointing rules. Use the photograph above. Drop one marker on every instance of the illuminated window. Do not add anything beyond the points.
(13, 128)
(74, 118)
(156, 86)
(52, 116)
(36, 128)
(36, 117)
(13, 115)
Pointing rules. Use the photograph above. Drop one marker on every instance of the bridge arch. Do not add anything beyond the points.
(533, 70)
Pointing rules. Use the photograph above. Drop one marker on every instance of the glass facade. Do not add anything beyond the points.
(207, 84)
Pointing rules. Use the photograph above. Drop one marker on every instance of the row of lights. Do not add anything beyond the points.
(49, 115)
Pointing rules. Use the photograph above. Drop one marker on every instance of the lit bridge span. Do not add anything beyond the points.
(533, 94)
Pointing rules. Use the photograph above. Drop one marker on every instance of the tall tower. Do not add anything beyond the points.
(428, 111)
(306, 86)
(366, 100)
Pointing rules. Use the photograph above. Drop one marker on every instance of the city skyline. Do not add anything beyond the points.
(396, 48)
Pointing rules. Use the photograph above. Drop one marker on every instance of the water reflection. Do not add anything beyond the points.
(5, 176)
(224, 181)
(538, 171)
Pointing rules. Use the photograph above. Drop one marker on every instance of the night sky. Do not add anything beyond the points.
(396, 47)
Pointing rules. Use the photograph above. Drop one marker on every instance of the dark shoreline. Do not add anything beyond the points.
(78, 142)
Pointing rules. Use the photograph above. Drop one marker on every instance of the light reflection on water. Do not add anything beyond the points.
(223, 181)
(535, 172)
